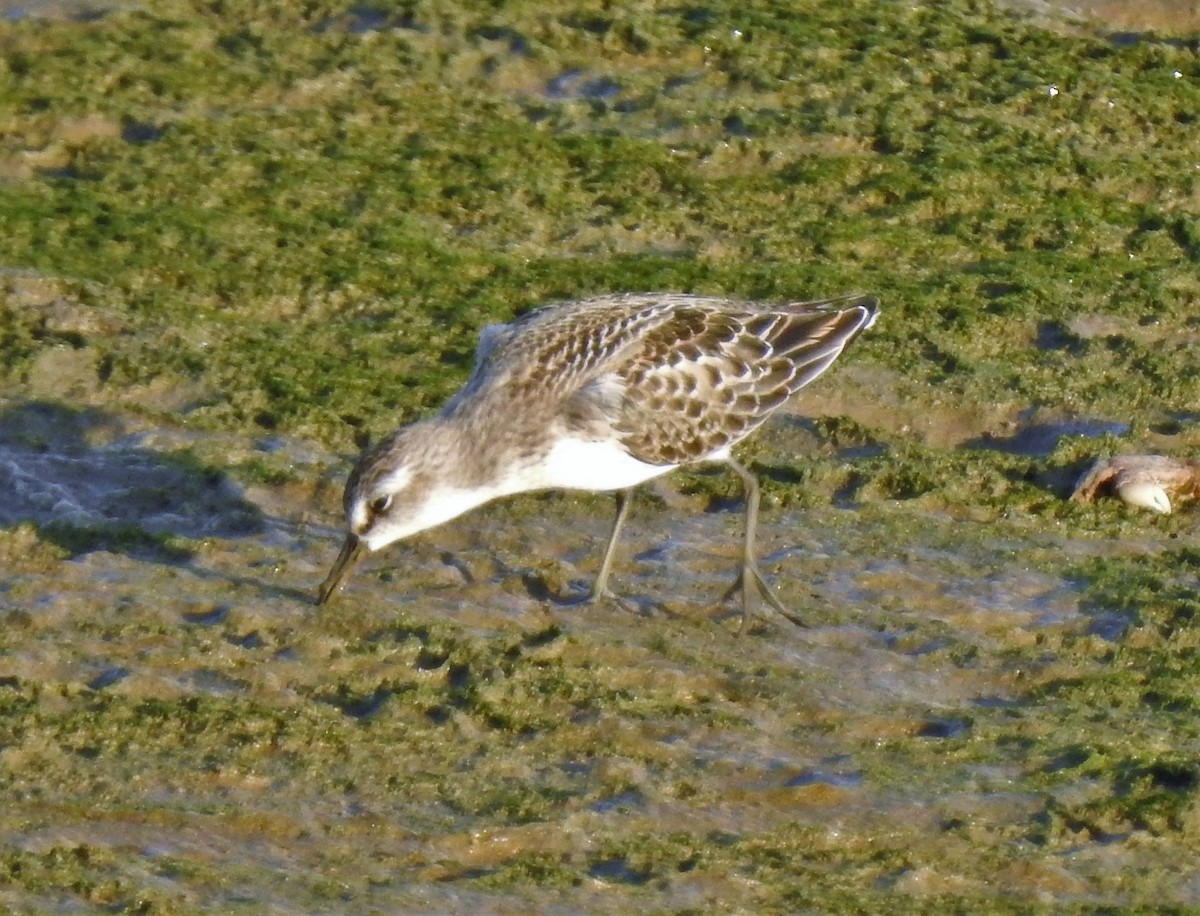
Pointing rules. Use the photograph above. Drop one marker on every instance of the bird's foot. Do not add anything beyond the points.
(602, 595)
(773, 613)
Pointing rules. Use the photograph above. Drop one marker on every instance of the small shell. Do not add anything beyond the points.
(1145, 494)
(1148, 481)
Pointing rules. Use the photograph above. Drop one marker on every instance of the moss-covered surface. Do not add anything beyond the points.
(239, 240)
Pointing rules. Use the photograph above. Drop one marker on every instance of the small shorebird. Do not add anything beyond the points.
(601, 394)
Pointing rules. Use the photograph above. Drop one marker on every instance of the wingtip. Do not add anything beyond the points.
(867, 309)
(871, 305)
(865, 301)
(848, 302)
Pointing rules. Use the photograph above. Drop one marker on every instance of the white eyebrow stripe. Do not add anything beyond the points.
(395, 481)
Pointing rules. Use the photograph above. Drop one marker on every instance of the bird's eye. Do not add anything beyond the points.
(380, 504)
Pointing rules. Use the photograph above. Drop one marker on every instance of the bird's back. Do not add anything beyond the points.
(676, 378)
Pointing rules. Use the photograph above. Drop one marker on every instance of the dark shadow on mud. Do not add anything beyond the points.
(120, 497)
(1038, 440)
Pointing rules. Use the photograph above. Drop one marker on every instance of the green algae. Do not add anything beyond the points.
(549, 757)
(272, 220)
(294, 198)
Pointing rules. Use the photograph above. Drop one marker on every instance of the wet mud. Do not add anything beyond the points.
(454, 728)
(241, 243)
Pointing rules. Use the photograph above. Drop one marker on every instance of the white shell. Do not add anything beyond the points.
(1147, 495)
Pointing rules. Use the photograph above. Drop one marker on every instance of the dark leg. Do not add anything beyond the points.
(749, 573)
(600, 586)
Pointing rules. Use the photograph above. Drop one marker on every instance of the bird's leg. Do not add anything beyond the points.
(749, 573)
(600, 586)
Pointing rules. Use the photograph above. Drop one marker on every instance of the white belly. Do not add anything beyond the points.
(575, 464)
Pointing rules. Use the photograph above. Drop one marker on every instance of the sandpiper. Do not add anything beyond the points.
(600, 394)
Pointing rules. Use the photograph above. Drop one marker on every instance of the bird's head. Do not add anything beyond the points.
(410, 481)
(389, 493)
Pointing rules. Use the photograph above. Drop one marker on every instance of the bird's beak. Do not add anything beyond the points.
(352, 550)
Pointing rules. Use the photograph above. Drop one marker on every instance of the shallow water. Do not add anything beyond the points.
(452, 716)
(993, 705)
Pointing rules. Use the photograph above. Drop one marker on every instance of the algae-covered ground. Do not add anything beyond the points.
(238, 241)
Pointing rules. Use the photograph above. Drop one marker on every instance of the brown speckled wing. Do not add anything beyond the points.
(555, 350)
(676, 377)
(707, 377)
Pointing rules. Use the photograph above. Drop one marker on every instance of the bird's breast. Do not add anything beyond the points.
(586, 464)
